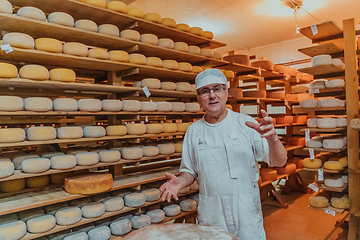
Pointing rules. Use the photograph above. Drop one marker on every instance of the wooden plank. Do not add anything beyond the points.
(81, 113)
(290, 147)
(318, 111)
(317, 169)
(325, 30)
(323, 69)
(332, 189)
(327, 150)
(325, 130)
(326, 48)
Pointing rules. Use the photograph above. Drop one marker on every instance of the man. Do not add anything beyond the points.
(220, 151)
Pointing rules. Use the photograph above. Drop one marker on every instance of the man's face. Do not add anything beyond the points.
(213, 98)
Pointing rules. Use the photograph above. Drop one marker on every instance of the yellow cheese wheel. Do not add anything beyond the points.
(178, 147)
(168, 86)
(74, 48)
(130, 34)
(118, 55)
(20, 40)
(149, 38)
(61, 18)
(135, 12)
(208, 34)
(194, 50)
(62, 75)
(59, 178)
(319, 201)
(12, 230)
(36, 182)
(312, 163)
(170, 64)
(185, 66)
(98, 3)
(86, 24)
(268, 174)
(333, 165)
(182, 127)
(32, 12)
(183, 27)
(48, 45)
(168, 22)
(197, 69)
(137, 58)
(117, 6)
(166, 43)
(153, 17)
(109, 29)
(6, 7)
(183, 86)
(197, 31)
(154, 128)
(206, 52)
(99, 53)
(152, 83)
(136, 128)
(181, 46)
(12, 185)
(34, 72)
(154, 61)
(8, 70)
(169, 127)
(116, 130)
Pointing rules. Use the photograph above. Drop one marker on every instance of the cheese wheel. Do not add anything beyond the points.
(178, 147)
(265, 64)
(150, 151)
(120, 227)
(166, 148)
(117, 6)
(314, 143)
(118, 55)
(289, 71)
(326, 123)
(38, 104)
(152, 195)
(309, 103)
(169, 127)
(194, 50)
(20, 40)
(154, 61)
(109, 29)
(318, 84)
(329, 182)
(6, 169)
(32, 12)
(48, 45)
(163, 106)
(197, 69)
(69, 132)
(280, 68)
(149, 38)
(131, 105)
(188, 205)
(136, 129)
(319, 201)
(181, 46)
(333, 143)
(6, 7)
(166, 43)
(137, 58)
(116, 130)
(41, 133)
(107, 156)
(87, 158)
(34, 72)
(135, 199)
(338, 63)
(335, 83)
(35, 165)
(185, 66)
(156, 215)
(59, 177)
(168, 86)
(268, 174)
(153, 17)
(320, 60)
(89, 184)
(331, 102)
(289, 168)
(90, 105)
(192, 107)
(141, 221)
(8, 70)
(333, 165)
(75, 48)
(86, 24)
(182, 127)
(148, 106)
(218, 55)
(11, 135)
(183, 86)
(41, 224)
(63, 162)
(194, 186)
(111, 105)
(36, 182)
(94, 131)
(178, 106)
(312, 122)
(197, 31)
(61, 18)
(341, 203)
(130, 34)
(206, 52)
(168, 22)
(172, 210)
(229, 74)
(76, 236)
(62, 75)
(132, 153)
(19, 158)
(154, 128)
(312, 163)
(93, 210)
(151, 83)
(113, 204)
(12, 185)
(208, 35)
(11, 103)
(183, 27)
(12, 230)
(135, 12)
(99, 53)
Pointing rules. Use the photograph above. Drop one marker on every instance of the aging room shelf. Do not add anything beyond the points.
(326, 31)
(335, 50)
(327, 150)
(323, 111)
(325, 170)
(323, 69)
(291, 147)
(324, 130)
(332, 189)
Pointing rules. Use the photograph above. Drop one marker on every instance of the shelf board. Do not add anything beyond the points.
(332, 189)
(317, 169)
(298, 109)
(326, 31)
(330, 48)
(291, 147)
(321, 70)
(327, 150)
(324, 130)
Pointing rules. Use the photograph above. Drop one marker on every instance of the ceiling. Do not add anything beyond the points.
(247, 24)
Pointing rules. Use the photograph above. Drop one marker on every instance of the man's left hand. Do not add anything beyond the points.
(265, 128)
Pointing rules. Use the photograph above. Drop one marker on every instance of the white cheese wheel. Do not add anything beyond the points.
(206, 52)
(169, 127)
(321, 60)
(168, 22)
(11, 103)
(41, 133)
(130, 34)
(117, 6)
(35, 165)
(65, 104)
(12, 230)
(329, 182)
(86, 24)
(71, 132)
(168, 86)
(188, 205)
(154, 128)
(11, 135)
(99, 53)
(136, 129)
(12, 186)
(197, 31)
(8, 70)
(312, 122)
(182, 127)
(118, 55)
(312, 163)
(178, 147)
(19, 158)
(153, 17)
(99, 233)
(309, 103)
(59, 178)
(185, 66)
(68, 216)
(135, 199)
(32, 12)
(87, 158)
(75, 48)
(163, 106)
(338, 63)
(61, 18)
(178, 106)
(172, 210)
(6, 7)
(170, 64)
(141, 221)
(120, 227)
(131, 105)
(94, 131)
(342, 203)
(194, 50)
(181, 46)
(217, 55)
(156, 215)
(6, 169)
(48, 45)
(90, 105)
(20, 40)
(341, 122)
(63, 162)
(154, 61)
(93, 210)
(318, 84)
(149, 38)
(192, 107)
(76, 236)
(38, 104)
(326, 123)
(109, 29)
(183, 86)
(150, 151)
(333, 165)
(197, 69)
(137, 58)
(34, 72)
(148, 106)
(113, 204)
(166, 43)
(314, 143)
(116, 130)
(319, 201)
(135, 12)
(335, 83)
(152, 195)
(166, 148)
(107, 156)
(62, 75)
(331, 102)
(183, 27)
(152, 83)
(37, 182)
(132, 153)
(111, 105)
(98, 3)
(41, 224)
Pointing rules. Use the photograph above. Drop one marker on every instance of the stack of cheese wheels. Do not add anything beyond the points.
(109, 29)
(34, 72)
(32, 12)
(8, 70)
(86, 24)
(75, 48)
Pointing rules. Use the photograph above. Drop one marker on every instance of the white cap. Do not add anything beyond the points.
(210, 76)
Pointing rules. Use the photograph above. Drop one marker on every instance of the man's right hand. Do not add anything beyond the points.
(170, 188)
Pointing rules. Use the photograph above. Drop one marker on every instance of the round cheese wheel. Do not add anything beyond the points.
(168, 86)
(170, 64)
(135, 199)
(32, 12)
(131, 105)
(152, 195)
(314, 143)
(151, 83)
(6, 169)
(150, 151)
(185, 66)
(197, 31)
(11, 103)
(338, 63)
(341, 203)
(98, 3)
(312, 122)
(163, 106)
(11, 135)
(323, 59)
(68, 216)
(178, 106)
(156, 215)
(309, 103)
(113, 204)
(62, 75)
(50, 154)
(166, 43)
(264, 64)
(135, 12)
(41, 133)
(206, 52)
(120, 227)
(130, 34)
(341, 122)
(74, 48)
(76, 236)
(168, 22)
(208, 35)
(197, 69)
(61, 18)
(331, 102)
(169, 127)
(312, 163)
(148, 106)
(192, 107)
(188, 205)
(86, 24)
(181, 46)
(132, 153)
(141, 221)
(118, 55)
(172, 210)
(194, 50)
(90, 105)
(329, 182)
(117, 6)
(87, 158)
(154, 61)
(117, 130)
(326, 123)
(41, 224)
(217, 55)
(319, 201)
(34, 72)
(99, 53)
(268, 174)
(35, 165)
(182, 127)
(153, 17)
(39, 104)
(48, 45)
(94, 131)
(65, 104)
(137, 58)
(8, 70)
(19, 158)
(318, 84)
(63, 162)
(154, 128)
(337, 143)
(333, 165)
(136, 128)
(166, 148)
(149, 38)
(69, 132)
(112, 105)
(229, 74)
(289, 168)
(6, 7)
(12, 230)
(93, 210)
(109, 29)
(178, 147)
(20, 40)
(183, 27)
(37, 182)
(12, 186)
(107, 156)
(334, 83)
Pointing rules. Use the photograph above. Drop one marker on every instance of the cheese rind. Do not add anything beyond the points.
(319, 201)
(188, 205)
(61, 18)
(148, 106)
(172, 210)
(32, 12)
(206, 52)
(89, 184)
(153, 17)
(314, 143)
(62, 75)
(41, 133)
(135, 12)
(41, 224)
(121, 226)
(135, 199)
(181, 46)
(183, 27)
(109, 29)
(11, 135)
(68, 216)
(335, 83)
(6, 7)
(118, 55)
(154, 61)
(6, 169)
(131, 105)
(318, 84)
(87, 158)
(154, 128)
(94, 131)
(156, 215)
(71, 132)
(98, 3)
(38, 104)
(183, 86)
(197, 31)
(136, 129)
(139, 222)
(178, 106)
(65, 104)
(12, 185)
(11, 103)
(90, 105)
(137, 58)
(168, 22)
(309, 103)
(323, 59)
(20, 40)
(132, 153)
(331, 102)
(34, 72)
(130, 34)
(192, 107)
(116, 130)
(268, 174)
(117, 6)
(194, 50)
(93, 210)
(63, 162)
(59, 178)
(150, 151)
(166, 43)
(113, 204)
(333, 143)
(149, 38)
(99, 53)
(265, 64)
(152, 195)
(48, 45)
(12, 230)
(152, 83)
(169, 127)
(178, 147)
(341, 203)
(168, 86)
(166, 148)
(107, 156)
(185, 66)
(35, 165)
(99, 233)
(329, 182)
(208, 35)
(86, 24)
(333, 165)
(326, 123)
(8, 70)
(75, 48)
(312, 163)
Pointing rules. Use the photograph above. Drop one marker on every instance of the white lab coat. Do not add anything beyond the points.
(222, 157)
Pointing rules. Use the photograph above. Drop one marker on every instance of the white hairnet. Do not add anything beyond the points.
(210, 76)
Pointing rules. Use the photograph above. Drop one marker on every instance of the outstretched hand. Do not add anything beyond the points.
(170, 188)
(265, 128)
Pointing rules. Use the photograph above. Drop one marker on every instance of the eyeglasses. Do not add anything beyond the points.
(218, 89)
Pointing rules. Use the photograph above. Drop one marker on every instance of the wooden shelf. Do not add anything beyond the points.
(326, 31)
(331, 48)
(317, 169)
(327, 150)
(298, 109)
(324, 130)
(290, 147)
(332, 189)
(322, 70)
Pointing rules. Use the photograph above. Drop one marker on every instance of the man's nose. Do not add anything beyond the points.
(212, 94)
